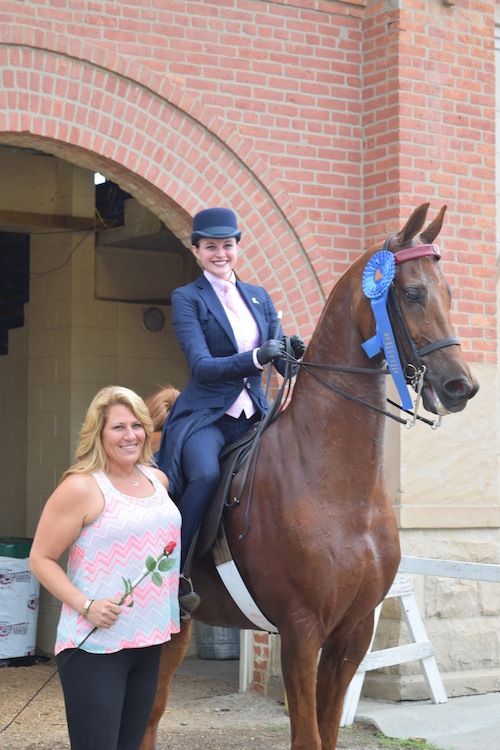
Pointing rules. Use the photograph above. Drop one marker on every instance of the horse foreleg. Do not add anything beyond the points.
(299, 659)
(172, 654)
(340, 658)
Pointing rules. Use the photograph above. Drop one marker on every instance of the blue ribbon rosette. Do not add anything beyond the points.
(378, 275)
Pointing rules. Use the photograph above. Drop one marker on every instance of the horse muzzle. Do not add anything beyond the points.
(448, 397)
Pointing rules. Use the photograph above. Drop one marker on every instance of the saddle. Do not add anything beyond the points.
(232, 458)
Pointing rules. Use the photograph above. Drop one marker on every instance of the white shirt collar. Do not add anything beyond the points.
(217, 283)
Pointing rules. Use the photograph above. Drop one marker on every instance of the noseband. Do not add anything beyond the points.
(412, 364)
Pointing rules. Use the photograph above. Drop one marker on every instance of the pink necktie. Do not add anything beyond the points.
(247, 336)
(232, 298)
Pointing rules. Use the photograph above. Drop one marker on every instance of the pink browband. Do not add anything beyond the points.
(410, 253)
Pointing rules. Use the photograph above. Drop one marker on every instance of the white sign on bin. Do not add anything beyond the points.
(19, 593)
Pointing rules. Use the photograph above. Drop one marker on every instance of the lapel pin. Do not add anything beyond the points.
(255, 301)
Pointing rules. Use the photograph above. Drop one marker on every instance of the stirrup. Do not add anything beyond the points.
(184, 614)
(188, 601)
(189, 582)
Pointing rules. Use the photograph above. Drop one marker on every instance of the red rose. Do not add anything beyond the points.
(170, 548)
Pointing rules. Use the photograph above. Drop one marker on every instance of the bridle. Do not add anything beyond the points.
(413, 366)
(414, 372)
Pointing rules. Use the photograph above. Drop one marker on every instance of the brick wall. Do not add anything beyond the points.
(322, 123)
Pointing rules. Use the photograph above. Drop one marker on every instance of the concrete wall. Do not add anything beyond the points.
(71, 345)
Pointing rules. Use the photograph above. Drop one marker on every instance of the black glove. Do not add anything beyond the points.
(298, 346)
(272, 349)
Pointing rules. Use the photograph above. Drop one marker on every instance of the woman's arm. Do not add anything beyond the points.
(204, 366)
(75, 503)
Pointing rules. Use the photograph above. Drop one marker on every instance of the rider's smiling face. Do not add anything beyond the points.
(218, 256)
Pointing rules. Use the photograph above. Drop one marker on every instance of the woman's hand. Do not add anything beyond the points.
(298, 346)
(272, 349)
(103, 613)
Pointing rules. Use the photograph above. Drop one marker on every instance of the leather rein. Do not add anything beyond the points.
(414, 370)
(413, 366)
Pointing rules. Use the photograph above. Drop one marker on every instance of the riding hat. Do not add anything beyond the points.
(215, 223)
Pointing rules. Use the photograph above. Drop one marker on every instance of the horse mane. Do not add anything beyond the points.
(159, 405)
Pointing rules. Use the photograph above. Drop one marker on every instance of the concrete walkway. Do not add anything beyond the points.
(466, 723)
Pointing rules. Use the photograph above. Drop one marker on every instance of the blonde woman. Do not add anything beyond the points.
(111, 510)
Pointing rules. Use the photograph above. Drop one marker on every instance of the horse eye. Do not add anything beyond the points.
(412, 294)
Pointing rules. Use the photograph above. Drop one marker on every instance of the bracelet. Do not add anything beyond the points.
(86, 607)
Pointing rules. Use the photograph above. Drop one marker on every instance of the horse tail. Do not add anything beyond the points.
(160, 403)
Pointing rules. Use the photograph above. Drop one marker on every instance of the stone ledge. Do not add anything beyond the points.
(447, 516)
(414, 688)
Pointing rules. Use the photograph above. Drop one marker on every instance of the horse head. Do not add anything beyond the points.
(419, 303)
(159, 405)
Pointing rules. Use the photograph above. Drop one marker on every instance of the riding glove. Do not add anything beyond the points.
(272, 349)
(298, 346)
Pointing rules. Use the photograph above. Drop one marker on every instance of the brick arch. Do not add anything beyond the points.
(144, 131)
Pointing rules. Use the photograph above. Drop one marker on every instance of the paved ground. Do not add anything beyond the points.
(467, 723)
(206, 712)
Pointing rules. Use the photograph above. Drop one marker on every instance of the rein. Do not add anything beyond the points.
(151, 565)
(310, 366)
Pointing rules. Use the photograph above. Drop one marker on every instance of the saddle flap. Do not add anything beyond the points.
(232, 458)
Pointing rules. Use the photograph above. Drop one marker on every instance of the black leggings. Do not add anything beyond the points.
(108, 697)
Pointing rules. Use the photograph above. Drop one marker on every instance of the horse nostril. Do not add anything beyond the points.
(458, 388)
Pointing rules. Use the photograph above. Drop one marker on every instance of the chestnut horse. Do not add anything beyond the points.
(317, 542)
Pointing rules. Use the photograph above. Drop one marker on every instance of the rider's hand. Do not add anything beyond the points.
(272, 349)
(298, 346)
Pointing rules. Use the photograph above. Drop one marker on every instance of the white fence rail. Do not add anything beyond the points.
(450, 569)
(421, 649)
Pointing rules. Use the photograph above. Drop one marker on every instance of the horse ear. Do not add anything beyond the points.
(431, 232)
(412, 226)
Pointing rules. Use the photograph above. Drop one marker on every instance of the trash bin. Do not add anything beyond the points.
(217, 643)
(19, 593)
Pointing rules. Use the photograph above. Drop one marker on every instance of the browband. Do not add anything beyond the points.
(410, 253)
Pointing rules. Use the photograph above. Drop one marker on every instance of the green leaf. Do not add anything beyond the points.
(131, 603)
(166, 564)
(150, 563)
(157, 579)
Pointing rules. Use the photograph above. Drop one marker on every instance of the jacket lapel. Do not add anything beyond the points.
(214, 304)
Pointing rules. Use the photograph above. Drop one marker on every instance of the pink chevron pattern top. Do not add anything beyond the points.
(114, 547)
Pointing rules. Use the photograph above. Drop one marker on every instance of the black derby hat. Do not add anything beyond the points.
(215, 223)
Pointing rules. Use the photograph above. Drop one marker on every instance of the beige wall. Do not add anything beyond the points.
(447, 505)
(72, 344)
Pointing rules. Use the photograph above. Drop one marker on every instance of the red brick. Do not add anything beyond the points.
(329, 114)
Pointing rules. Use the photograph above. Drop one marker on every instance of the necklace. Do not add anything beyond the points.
(135, 483)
